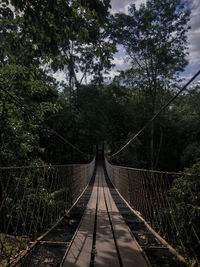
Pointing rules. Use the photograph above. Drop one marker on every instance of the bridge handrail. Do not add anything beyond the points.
(165, 202)
(150, 171)
(43, 166)
(32, 199)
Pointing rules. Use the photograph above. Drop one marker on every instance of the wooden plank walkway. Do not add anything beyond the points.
(103, 238)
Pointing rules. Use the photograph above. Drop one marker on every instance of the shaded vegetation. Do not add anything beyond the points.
(185, 209)
(85, 109)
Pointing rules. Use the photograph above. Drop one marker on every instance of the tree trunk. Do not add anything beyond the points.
(159, 148)
(152, 129)
(152, 146)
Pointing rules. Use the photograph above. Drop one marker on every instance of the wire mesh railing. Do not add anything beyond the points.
(32, 199)
(169, 202)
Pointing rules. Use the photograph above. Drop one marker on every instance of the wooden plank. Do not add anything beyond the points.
(171, 249)
(53, 242)
(22, 254)
(106, 254)
(130, 252)
(79, 253)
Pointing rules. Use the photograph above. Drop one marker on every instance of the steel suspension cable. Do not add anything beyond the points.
(17, 100)
(155, 116)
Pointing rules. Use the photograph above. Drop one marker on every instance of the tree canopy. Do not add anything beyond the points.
(80, 38)
(154, 37)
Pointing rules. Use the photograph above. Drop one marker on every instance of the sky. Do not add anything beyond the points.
(193, 37)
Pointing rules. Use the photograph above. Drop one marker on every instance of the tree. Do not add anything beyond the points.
(154, 37)
(70, 38)
(63, 19)
(20, 130)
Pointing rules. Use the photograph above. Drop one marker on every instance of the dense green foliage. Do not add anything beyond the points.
(74, 38)
(71, 38)
(185, 194)
(20, 130)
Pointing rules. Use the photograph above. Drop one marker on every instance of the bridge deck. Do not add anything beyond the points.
(103, 238)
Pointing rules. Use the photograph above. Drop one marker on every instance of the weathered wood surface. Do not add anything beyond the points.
(79, 253)
(115, 245)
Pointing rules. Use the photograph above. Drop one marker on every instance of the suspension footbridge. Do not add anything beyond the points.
(102, 215)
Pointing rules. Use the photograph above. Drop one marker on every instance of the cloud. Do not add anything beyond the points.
(195, 6)
(60, 76)
(119, 5)
(195, 22)
(139, 2)
(121, 63)
(118, 61)
(193, 40)
(123, 5)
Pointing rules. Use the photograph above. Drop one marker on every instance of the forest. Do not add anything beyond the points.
(79, 38)
(46, 122)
